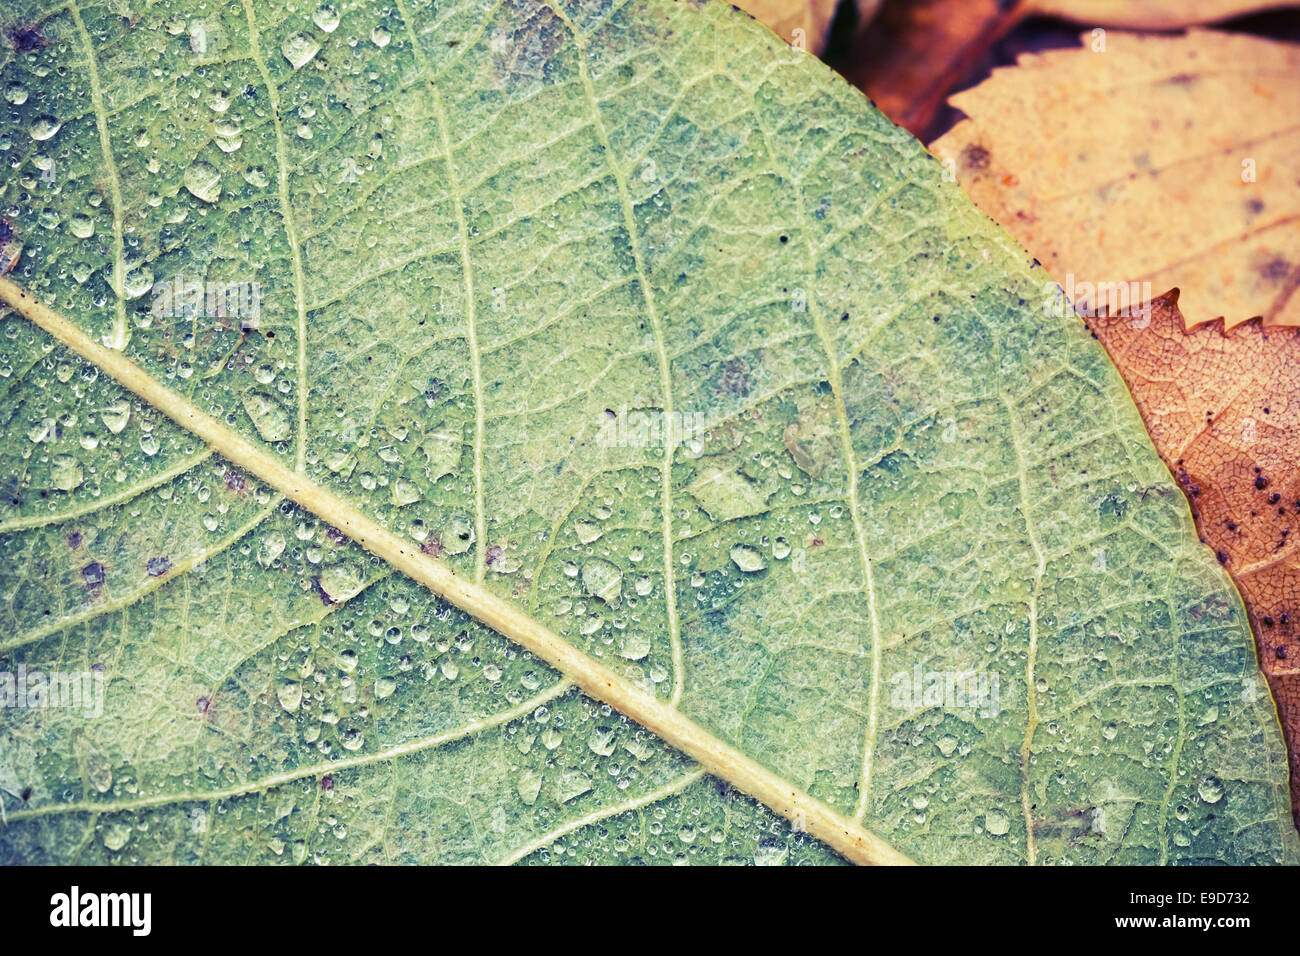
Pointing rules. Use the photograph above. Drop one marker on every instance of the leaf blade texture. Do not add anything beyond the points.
(586, 302)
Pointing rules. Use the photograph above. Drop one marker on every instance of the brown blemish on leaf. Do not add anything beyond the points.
(11, 247)
(93, 575)
(525, 54)
(26, 39)
(735, 378)
(975, 158)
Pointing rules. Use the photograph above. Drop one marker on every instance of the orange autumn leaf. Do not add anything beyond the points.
(1158, 161)
(1223, 408)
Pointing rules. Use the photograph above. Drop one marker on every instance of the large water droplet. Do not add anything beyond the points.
(43, 128)
(269, 417)
(602, 580)
(326, 17)
(996, 822)
(1211, 789)
(115, 416)
(289, 694)
(747, 559)
(299, 49)
(65, 473)
(203, 180)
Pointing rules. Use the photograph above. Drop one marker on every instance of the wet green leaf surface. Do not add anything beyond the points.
(659, 330)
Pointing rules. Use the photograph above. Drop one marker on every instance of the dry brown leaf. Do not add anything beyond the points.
(1147, 159)
(1150, 14)
(916, 51)
(803, 23)
(1224, 411)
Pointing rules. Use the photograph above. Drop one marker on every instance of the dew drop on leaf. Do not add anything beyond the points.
(299, 49)
(203, 181)
(289, 694)
(747, 559)
(269, 417)
(65, 473)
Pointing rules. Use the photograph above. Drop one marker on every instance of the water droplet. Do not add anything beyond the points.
(116, 836)
(602, 580)
(270, 548)
(460, 536)
(996, 822)
(115, 416)
(747, 559)
(149, 444)
(203, 180)
(326, 17)
(289, 694)
(529, 786)
(228, 136)
(65, 473)
(572, 784)
(405, 492)
(44, 430)
(43, 128)
(341, 581)
(385, 687)
(269, 417)
(1211, 789)
(634, 646)
(82, 226)
(299, 49)
(601, 741)
(380, 37)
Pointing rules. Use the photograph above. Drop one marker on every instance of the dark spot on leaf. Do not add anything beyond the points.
(1261, 482)
(74, 540)
(234, 479)
(26, 39)
(327, 783)
(1275, 270)
(335, 536)
(202, 705)
(493, 553)
(93, 575)
(157, 567)
(975, 157)
(11, 247)
(526, 52)
(735, 377)
(432, 546)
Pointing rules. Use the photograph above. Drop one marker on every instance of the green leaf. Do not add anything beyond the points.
(650, 328)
